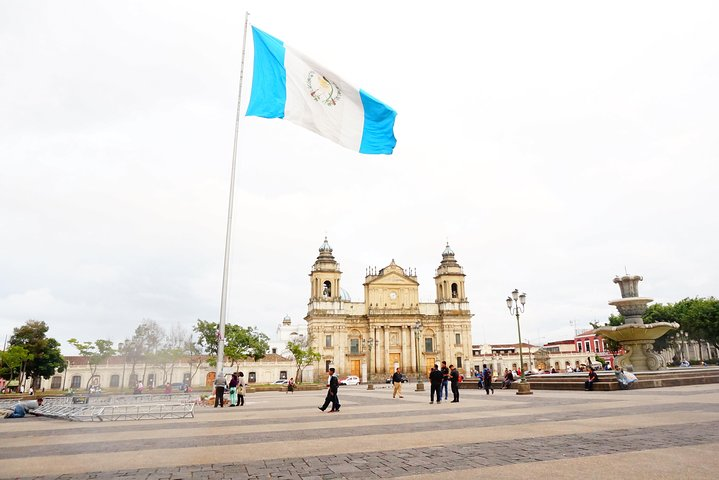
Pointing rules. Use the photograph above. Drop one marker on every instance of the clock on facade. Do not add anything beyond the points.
(393, 295)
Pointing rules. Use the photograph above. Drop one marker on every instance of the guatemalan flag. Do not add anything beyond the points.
(286, 84)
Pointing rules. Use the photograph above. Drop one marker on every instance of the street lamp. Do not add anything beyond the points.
(417, 331)
(515, 304)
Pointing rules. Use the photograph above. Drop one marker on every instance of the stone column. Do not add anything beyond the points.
(385, 352)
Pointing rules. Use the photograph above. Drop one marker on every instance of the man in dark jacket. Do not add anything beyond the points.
(454, 380)
(333, 385)
(397, 384)
(435, 381)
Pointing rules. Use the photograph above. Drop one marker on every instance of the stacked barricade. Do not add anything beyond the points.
(89, 408)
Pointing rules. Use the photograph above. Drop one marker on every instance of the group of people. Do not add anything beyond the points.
(237, 388)
(439, 379)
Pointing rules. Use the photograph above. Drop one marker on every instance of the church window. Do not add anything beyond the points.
(328, 364)
(459, 362)
(327, 289)
(428, 345)
(328, 341)
(454, 290)
(354, 346)
(457, 339)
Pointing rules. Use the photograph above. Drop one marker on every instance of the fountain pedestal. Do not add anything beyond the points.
(636, 337)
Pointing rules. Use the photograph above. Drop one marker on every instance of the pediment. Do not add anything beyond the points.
(392, 278)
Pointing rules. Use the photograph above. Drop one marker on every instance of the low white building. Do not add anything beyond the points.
(118, 372)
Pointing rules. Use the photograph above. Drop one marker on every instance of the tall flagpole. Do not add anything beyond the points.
(225, 271)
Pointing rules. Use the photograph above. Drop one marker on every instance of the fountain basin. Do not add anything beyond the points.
(634, 332)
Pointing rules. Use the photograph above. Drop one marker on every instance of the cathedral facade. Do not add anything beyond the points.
(390, 328)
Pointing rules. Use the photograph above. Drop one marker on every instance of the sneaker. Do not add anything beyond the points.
(320, 409)
(401, 396)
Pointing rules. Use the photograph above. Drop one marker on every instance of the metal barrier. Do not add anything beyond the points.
(109, 413)
(114, 407)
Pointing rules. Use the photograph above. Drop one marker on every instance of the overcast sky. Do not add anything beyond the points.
(553, 144)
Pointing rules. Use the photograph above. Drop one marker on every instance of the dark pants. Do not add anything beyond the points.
(219, 394)
(444, 389)
(588, 385)
(455, 391)
(435, 391)
(331, 397)
(488, 386)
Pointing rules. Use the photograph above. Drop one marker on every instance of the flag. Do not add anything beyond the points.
(286, 84)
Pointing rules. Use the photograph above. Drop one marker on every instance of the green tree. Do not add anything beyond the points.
(240, 342)
(13, 360)
(304, 356)
(700, 318)
(207, 334)
(244, 342)
(46, 356)
(96, 353)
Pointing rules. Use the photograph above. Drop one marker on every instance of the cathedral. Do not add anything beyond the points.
(390, 328)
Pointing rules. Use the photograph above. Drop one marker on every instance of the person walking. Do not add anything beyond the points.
(233, 390)
(435, 382)
(445, 379)
(397, 384)
(220, 384)
(487, 378)
(241, 388)
(454, 381)
(333, 385)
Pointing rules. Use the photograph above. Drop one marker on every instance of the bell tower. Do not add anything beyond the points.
(325, 276)
(449, 279)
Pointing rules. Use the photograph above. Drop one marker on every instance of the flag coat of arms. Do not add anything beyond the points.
(287, 84)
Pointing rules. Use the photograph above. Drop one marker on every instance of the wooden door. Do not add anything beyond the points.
(428, 366)
(355, 368)
(394, 361)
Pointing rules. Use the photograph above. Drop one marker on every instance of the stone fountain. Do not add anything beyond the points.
(635, 336)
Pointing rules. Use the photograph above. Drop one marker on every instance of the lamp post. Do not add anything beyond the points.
(515, 304)
(417, 331)
(120, 347)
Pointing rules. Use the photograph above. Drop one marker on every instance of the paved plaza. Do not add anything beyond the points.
(660, 433)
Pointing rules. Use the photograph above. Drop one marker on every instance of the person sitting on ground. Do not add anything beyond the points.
(22, 408)
(593, 377)
(629, 375)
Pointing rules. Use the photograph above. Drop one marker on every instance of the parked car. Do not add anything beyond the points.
(179, 386)
(282, 381)
(351, 380)
(404, 379)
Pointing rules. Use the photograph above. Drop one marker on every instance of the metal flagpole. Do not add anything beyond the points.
(225, 271)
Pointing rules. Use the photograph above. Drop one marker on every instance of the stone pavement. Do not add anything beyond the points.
(664, 433)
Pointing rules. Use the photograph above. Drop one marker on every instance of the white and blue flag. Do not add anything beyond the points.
(286, 84)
